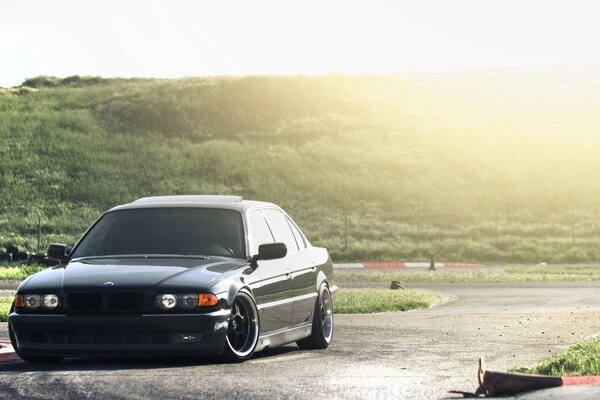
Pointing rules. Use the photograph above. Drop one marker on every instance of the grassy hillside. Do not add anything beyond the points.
(489, 166)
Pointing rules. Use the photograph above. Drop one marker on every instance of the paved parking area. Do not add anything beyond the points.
(418, 354)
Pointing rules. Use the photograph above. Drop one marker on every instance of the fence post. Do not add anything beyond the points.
(39, 232)
(345, 231)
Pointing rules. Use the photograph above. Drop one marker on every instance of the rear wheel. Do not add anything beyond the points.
(28, 357)
(243, 328)
(322, 325)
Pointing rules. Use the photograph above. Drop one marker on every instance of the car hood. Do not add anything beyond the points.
(132, 273)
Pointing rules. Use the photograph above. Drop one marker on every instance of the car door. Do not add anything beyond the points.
(303, 273)
(304, 279)
(273, 291)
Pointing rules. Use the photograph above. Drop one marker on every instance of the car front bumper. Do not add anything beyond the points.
(120, 335)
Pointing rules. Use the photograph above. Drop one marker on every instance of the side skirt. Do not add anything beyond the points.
(284, 337)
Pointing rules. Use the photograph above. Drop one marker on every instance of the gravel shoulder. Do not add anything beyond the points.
(416, 354)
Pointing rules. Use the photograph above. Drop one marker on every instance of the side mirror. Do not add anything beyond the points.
(58, 251)
(269, 251)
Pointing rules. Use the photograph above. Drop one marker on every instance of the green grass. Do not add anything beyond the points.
(5, 303)
(461, 166)
(506, 274)
(582, 358)
(10, 272)
(364, 301)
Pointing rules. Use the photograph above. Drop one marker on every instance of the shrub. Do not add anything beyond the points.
(42, 81)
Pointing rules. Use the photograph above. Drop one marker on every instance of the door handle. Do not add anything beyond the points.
(288, 274)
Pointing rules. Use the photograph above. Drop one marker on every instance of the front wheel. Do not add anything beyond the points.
(322, 325)
(243, 328)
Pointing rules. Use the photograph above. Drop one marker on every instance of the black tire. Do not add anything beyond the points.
(28, 357)
(243, 329)
(39, 257)
(322, 325)
(13, 249)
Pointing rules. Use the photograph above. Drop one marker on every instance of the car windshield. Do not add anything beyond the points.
(165, 231)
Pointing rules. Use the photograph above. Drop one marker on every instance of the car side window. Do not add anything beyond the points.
(259, 230)
(281, 229)
(297, 234)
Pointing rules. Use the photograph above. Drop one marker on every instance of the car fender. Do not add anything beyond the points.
(321, 277)
(234, 289)
(325, 268)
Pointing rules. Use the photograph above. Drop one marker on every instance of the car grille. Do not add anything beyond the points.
(95, 338)
(115, 302)
(125, 301)
(85, 302)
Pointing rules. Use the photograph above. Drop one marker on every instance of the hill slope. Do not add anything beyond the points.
(488, 166)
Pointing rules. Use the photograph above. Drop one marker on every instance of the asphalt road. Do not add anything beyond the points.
(418, 354)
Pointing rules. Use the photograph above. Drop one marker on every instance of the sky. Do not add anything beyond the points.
(176, 38)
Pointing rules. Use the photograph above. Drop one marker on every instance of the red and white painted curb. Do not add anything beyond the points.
(7, 353)
(402, 265)
(581, 380)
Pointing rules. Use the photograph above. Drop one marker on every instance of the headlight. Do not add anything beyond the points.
(33, 300)
(166, 301)
(50, 301)
(36, 301)
(188, 301)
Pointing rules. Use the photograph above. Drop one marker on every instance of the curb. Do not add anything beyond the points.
(402, 265)
(581, 380)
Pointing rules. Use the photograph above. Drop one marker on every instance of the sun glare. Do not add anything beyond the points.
(191, 38)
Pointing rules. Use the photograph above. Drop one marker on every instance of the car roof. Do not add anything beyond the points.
(190, 198)
(192, 201)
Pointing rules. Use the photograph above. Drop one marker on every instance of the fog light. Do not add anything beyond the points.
(166, 301)
(188, 300)
(33, 300)
(50, 301)
(221, 325)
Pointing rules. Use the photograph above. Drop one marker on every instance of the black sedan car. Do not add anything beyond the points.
(178, 275)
